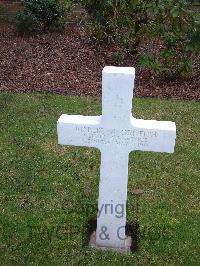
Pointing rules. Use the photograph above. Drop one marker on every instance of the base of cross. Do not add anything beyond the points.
(126, 249)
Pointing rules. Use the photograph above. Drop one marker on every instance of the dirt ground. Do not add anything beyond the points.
(69, 63)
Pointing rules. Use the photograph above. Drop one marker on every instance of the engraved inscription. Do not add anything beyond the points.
(124, 137)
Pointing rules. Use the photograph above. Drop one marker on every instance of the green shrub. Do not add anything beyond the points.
(117, 20)
(27, 23)
(169, 20)
(44, 14)
(178, 29)
(48, 12)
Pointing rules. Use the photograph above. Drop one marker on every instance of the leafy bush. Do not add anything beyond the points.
(48, 12)
(169, 20)
(27, 23)
(117, 20)
(178, 29)
(44, 14)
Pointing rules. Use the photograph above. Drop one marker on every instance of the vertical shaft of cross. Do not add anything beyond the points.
(111, 219)
(116, 114)
(117, 87)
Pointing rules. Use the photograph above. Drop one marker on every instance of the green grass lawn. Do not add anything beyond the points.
(49, 192)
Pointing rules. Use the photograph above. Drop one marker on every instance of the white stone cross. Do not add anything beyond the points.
(115, 133)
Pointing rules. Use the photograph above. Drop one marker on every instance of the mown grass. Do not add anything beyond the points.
(49, 192)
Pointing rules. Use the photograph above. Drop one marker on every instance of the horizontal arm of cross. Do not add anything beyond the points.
(78, 130)
(142, 135)
(152, 135)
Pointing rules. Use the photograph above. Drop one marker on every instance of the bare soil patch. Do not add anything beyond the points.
(69, 63)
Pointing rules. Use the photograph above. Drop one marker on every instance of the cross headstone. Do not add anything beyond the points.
(115, 133)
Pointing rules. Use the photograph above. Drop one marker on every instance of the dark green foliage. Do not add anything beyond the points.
(117, 20)
(150, 61)
(44, 14)
(27, 23)
(128, 22)
(49, 12)
(178, 29)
